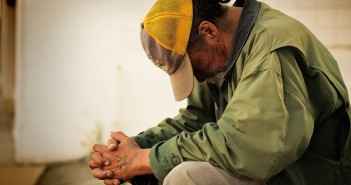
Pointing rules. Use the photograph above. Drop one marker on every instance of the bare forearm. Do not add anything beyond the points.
(144, 166)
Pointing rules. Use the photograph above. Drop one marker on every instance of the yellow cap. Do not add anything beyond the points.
(165, 34)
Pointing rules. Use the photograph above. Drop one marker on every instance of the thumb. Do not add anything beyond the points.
(119, 136)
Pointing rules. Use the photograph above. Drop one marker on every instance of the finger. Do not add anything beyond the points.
(112, 182)
(112, 144)
(99, 160)
(93, 164)
(119, 136)
(101, 174)
(100, 148)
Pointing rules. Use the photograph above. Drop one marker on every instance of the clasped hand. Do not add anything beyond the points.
(119, 161)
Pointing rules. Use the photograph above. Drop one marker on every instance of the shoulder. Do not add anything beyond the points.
(276, 29)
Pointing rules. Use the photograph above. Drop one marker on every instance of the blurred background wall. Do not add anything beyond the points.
(81, 72)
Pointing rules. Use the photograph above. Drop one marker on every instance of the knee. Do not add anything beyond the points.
(184, 173)
(196, 172)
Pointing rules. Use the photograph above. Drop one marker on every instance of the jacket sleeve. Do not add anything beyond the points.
(266, 126)
(199, 110)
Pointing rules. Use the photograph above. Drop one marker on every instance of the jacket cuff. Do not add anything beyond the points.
(164, 156)
(142, 141)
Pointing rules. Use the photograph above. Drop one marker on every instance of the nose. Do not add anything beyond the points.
(199, 77)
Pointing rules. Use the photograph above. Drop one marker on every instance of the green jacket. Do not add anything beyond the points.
(282, 116)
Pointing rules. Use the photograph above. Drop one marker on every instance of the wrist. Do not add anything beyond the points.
(144, 162)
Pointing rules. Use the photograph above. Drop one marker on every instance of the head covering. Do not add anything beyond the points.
(164, 36)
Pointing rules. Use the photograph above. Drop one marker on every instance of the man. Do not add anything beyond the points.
(268, 104)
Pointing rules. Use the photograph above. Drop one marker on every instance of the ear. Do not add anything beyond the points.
(209, 31)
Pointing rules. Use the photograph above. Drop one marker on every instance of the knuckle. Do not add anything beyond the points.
(95, 156)
(95, 146)
(91, 165)
(111, 140)
(97, 173)
(94, 174)
(108, 182)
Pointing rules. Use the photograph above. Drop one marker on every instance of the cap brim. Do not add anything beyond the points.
(183, 79)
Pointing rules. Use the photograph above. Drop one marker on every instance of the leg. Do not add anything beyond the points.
(202, 173)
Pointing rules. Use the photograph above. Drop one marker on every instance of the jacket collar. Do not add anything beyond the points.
(246, 22)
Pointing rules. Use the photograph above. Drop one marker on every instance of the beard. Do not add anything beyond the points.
(217, 79)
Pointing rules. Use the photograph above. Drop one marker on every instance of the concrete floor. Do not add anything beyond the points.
(72, 173)
(6, 142)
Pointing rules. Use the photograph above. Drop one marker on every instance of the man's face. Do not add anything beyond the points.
(209, 62)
